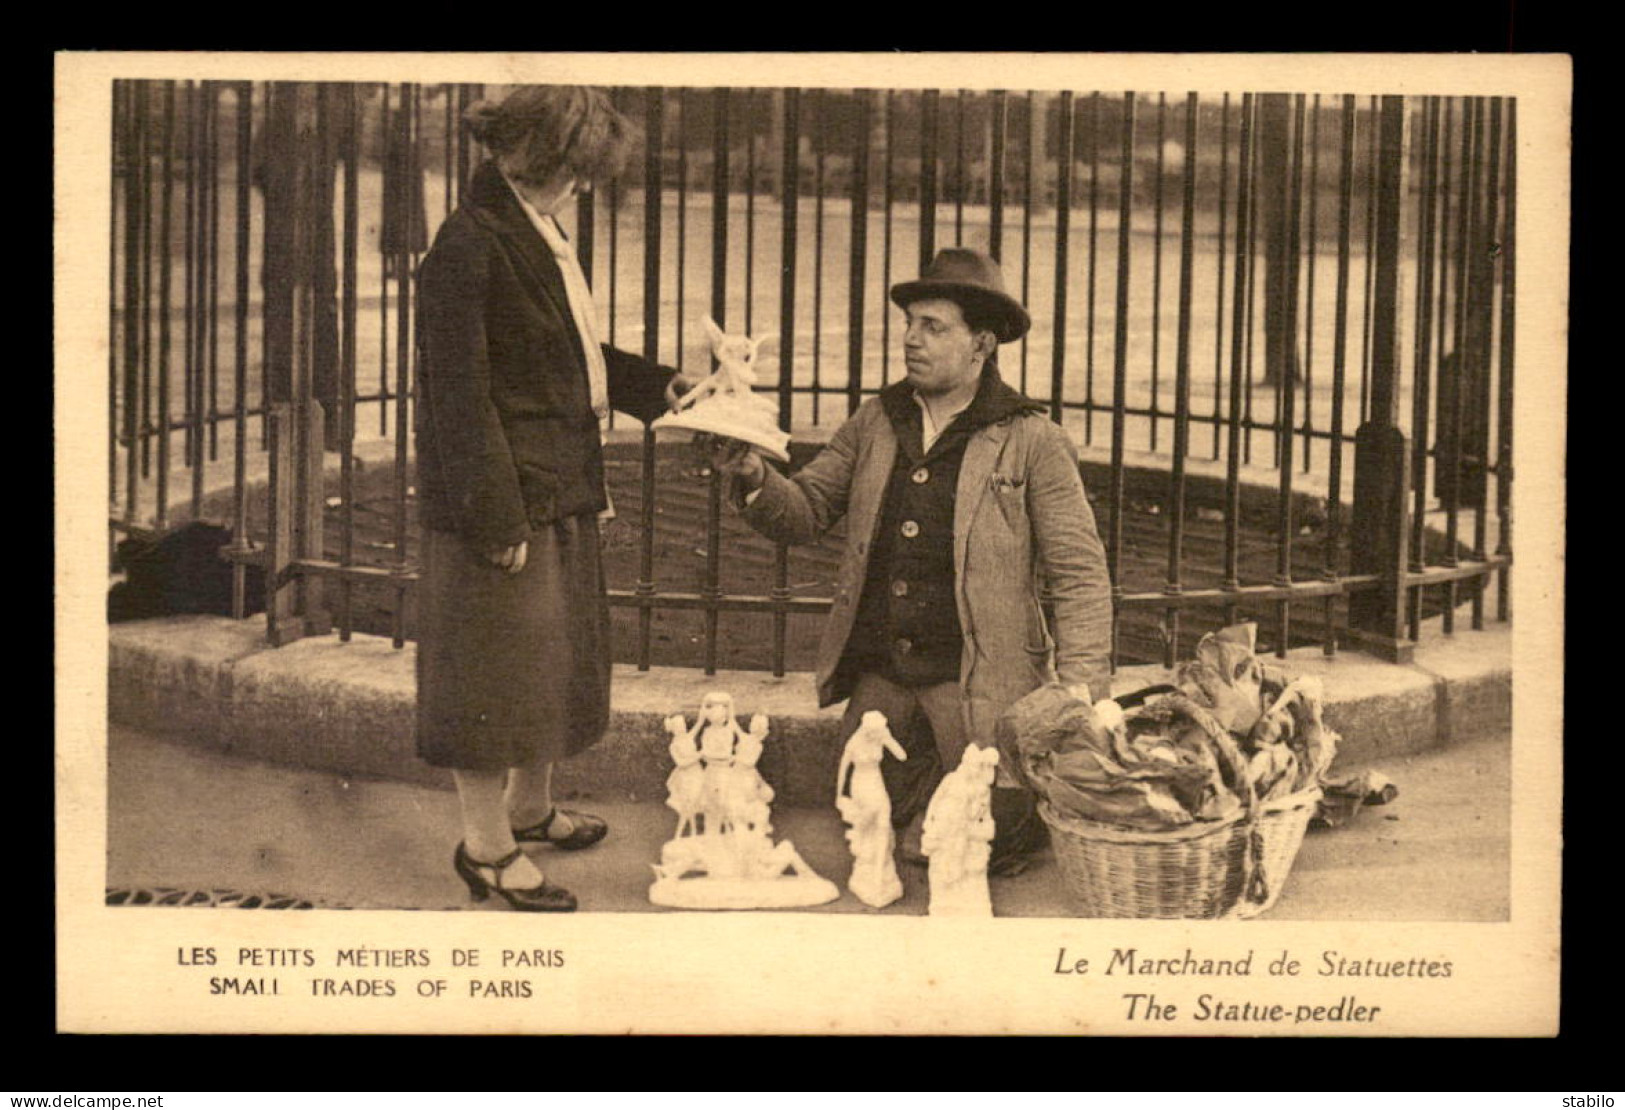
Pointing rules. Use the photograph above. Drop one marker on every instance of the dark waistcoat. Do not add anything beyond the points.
(907, 626)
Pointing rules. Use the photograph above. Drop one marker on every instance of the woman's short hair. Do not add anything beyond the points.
(538, 130)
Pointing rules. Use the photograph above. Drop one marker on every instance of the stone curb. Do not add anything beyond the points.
(347, 708)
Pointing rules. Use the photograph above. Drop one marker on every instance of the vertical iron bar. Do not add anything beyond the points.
(1125, 221)
(790, 184)
(789, 189)
(928, 177)
(1503, 453)
(1028, 193)
(390, 185)
(347, 349)
(239, 335)
(211, 177)
(1063, 215)
(1423, 374)
(147, 250)
(614, 252)
(654, 107)
(654, 134)
(682, 228)
(1385, 314)
(959, 167)
(198, 308)
(1218, 307)
(1238, 335)
(277, 353)
(750, 212)
(1463, 352)
(448, 167)
(1447, 244)
(1370, 266)
(1309, 288)
(135, 157)
(165, 234)
(1252, 281)
(1094, 242)
(1334, 480)
(859, 253)
(465, 161)
(1490, 157)
(1156, 269)
(1182, 383)
(885, 254)
(819, 135)
(116, 325)
(719, 312)
(995, 186)
(1287, 385)
(403, 335)
(1280, 344)
(720, 146)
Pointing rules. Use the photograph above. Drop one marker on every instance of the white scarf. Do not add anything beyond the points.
(585, 313)
(581, 303)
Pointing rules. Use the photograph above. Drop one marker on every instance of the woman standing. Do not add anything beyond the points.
(513, 656)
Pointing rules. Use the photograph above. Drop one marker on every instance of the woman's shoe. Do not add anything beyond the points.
(586, 831)
(484, 878)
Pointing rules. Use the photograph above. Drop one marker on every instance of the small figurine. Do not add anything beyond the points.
(956, 836)
(722, 855)
(725, 404)
(861, 799)
(686, 784)
(748, 794)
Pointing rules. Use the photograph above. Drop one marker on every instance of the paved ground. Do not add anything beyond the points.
(181, 817)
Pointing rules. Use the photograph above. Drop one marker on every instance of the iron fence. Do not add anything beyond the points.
(1280, 329)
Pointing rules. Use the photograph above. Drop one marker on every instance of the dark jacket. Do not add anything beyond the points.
(506, 436)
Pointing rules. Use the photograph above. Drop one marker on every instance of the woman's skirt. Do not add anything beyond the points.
(512, 668)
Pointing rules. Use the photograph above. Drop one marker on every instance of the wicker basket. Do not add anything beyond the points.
(1204, 870)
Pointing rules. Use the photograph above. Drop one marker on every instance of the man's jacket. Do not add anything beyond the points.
(1023, 536)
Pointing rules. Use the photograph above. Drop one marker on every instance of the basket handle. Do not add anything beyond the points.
(1143, 695)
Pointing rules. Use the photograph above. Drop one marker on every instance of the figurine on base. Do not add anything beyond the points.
(724, 404)
(722, 855)
(861, 799)
(956, 836)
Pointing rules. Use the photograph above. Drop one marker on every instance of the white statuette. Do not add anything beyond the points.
(957, 835)
(725, 403)
(861, 798)
(722, 856)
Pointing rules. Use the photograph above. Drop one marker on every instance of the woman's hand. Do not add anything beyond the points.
(510, 559)
(738, 460)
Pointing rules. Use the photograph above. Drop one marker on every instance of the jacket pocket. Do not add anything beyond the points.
(539, 487)
(1011, 496)
(1039, 641)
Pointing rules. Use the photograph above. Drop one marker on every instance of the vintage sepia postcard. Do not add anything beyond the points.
(810, 543)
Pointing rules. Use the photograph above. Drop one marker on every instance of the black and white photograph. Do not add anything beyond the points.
(590, 548)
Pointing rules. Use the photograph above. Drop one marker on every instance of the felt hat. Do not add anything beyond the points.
(973, 281)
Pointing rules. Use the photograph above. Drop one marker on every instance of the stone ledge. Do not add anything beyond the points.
(347, 708)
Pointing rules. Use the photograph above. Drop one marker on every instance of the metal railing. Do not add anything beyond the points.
(1234, 298)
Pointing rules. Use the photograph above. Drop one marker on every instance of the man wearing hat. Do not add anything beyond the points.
(966, 518)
